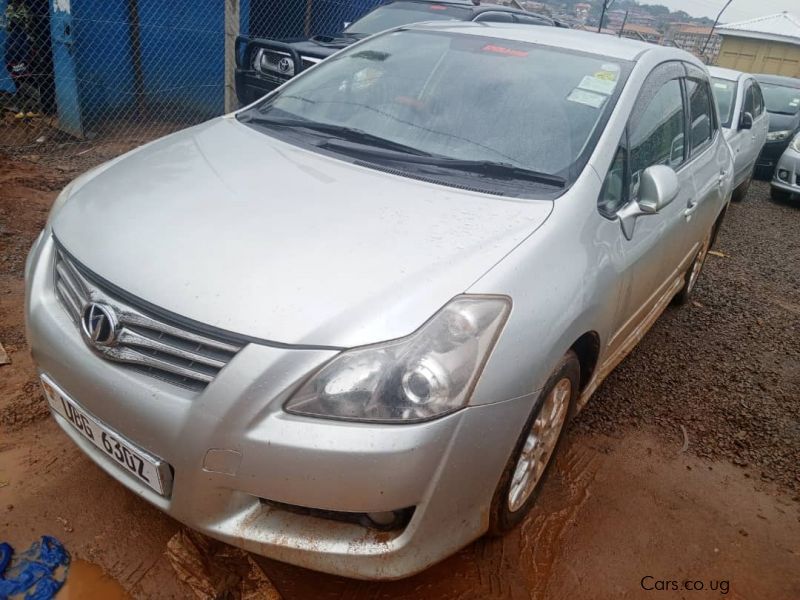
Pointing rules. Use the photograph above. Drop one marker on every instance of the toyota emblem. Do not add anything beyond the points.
(285, 65)
(99, 324)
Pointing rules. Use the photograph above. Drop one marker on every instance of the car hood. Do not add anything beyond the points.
(781, 122)
(235, 229)
(322, 47)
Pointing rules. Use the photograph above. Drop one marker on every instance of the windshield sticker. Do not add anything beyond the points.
(593, 83)
(721, 86)
(588, 98)
(504, 51)
(608, 71)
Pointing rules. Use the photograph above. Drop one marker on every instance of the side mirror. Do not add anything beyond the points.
(658, 187)
(746, 121)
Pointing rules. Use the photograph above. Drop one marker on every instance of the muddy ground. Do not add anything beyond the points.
(626, 502)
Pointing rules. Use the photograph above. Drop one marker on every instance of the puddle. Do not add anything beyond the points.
(87, 581)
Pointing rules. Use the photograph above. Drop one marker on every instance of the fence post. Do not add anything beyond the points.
(231, 31)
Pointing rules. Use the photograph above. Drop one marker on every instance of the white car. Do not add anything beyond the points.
(785, 183)
(744, 121)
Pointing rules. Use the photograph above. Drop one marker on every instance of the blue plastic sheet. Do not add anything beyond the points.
(36, 574)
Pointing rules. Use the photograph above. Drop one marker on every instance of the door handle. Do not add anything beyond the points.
(691, 206)
(721, 179)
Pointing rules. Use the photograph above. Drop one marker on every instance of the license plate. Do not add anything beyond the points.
(151, 471)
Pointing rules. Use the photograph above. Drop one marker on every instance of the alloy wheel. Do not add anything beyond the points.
(539, 444)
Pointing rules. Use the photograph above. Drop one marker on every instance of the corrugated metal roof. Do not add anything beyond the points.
(783, 27)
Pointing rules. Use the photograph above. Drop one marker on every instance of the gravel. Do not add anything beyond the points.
(726, 367)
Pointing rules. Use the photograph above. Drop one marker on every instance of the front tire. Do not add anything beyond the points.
(534, 453)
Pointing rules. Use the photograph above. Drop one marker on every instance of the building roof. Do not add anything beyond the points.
(643, 29)
(698, 29)
(780, 27)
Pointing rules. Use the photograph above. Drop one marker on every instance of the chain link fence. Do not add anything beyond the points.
(83, 73)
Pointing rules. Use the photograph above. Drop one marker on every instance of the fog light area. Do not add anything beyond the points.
(393, 520)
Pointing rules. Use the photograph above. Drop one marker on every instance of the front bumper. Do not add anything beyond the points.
(250, 85)
(789, 166)
(232, 446)
(769, 156)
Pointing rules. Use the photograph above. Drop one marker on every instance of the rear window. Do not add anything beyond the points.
(405, 13)
(781, 99)
(725, 95)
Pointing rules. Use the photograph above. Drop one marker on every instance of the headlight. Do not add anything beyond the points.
(779, 136)
(425, 375)
(796, 143)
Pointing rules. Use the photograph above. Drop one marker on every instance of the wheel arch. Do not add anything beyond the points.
(587, 349)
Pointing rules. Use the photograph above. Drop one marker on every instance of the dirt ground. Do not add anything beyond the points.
(626, 512)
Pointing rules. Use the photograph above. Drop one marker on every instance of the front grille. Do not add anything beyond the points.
(151, 344)
(269, 61)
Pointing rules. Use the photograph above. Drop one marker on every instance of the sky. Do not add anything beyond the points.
(739, 10)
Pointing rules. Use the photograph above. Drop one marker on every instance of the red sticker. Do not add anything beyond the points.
(504, 51)
(438, 7)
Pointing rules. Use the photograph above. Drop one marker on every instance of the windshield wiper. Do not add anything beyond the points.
(486, 168)
(498, 170)
(339, 132)
(356, 141)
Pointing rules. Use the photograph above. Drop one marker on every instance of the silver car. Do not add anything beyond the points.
(785, 182)
(745, 122)
(345, 326)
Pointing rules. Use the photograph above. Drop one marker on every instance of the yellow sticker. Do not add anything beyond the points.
(607, 75)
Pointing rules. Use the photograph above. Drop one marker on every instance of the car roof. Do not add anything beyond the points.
(480, 8)
(570, 39)
(729, 74)
(779, 79)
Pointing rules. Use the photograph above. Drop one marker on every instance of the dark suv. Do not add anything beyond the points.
(263, 65)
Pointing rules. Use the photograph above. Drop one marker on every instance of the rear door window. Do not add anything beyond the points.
(701, 114)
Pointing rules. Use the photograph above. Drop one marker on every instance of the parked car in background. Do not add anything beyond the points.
(786, 182)
(744, 121)
(345, 327)
(782, 99)
(265, 64)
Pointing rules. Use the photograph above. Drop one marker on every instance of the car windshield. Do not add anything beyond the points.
(405, 13)
(455, 96)
(781, 99)
(725, 95)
